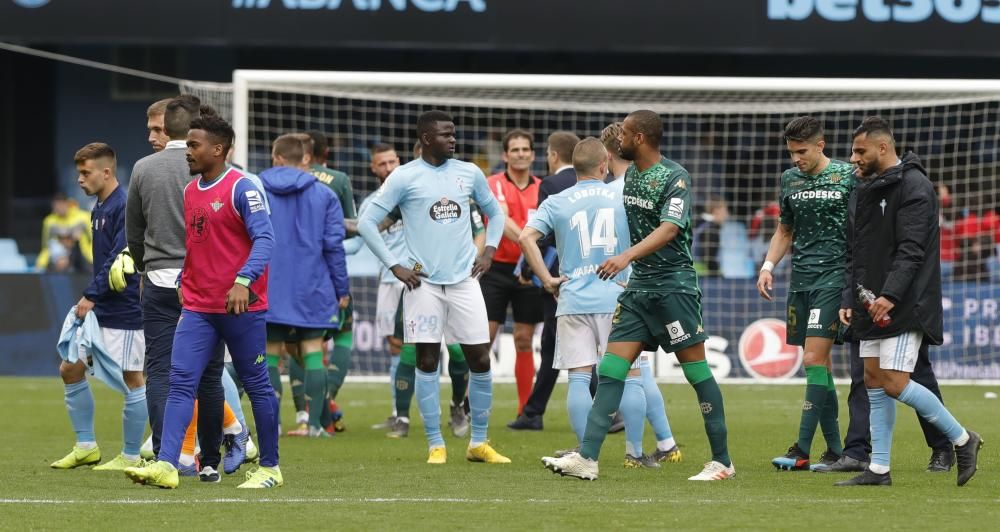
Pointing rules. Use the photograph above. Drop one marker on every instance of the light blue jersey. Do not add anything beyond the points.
(394, 240)
(434, 203)
(590, 226)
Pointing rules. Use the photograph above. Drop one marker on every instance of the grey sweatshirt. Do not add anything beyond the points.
(154, 214)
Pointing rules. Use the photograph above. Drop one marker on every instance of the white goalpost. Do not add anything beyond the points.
(726, 131)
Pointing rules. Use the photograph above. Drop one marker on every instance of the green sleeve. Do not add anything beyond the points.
(346, 194)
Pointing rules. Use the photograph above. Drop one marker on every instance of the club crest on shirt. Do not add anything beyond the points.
(216, 204)
(835, 178)
(654, 184)
(445, 211)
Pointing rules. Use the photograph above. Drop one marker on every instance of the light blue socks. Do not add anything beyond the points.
(930, 408)
(578, 402)
(480, 403)
(656, 411)
(428, 392)
(393, 364)
(134, 417)
(882, 418)
(80, 405)
(633, 409)
(233, 397)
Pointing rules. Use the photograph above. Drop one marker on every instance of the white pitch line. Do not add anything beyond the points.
(396, 500)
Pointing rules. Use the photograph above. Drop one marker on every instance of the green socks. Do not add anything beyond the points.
(611, 375)
(315, 386)
(829, 419)
(297, 379)
(406, 374)
(712, 409)
(458, 370)
(340, 361)
(817, 379)
(274, 375)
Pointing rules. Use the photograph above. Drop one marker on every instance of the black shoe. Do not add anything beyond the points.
(209, 474)
(826, 460)
(967, 456)
(867, 478)
(845, 464)
(941, 460)
(526, 422)
(795, 459)
(617, 423)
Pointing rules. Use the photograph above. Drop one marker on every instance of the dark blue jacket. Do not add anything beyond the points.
(113, 310)
(308, 272)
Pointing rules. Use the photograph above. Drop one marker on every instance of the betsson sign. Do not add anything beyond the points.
(954, 11)
(429, 6)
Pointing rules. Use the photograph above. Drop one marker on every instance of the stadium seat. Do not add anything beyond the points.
(8, 246)
(13, 263)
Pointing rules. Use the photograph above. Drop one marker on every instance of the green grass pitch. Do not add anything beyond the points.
(362, 480)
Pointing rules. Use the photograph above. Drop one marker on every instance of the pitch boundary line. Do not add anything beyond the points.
(447, 500)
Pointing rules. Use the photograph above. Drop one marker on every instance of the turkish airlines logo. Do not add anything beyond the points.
(764, 353)
(31, 3)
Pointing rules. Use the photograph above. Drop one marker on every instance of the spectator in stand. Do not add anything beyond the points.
(763, 223)
(708, 236)
(976, 234)
(66, 228)
(947, 221)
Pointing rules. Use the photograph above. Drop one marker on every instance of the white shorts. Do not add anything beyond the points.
(432, 311)
(127, 348)
(581, 339)
(898, 353)
(385, 309)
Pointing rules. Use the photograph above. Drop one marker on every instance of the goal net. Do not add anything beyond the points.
(725, 131)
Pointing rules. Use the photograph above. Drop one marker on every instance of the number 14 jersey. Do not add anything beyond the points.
(589, 223)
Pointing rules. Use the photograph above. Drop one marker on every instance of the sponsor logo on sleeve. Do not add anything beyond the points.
(676, 208)
(254, 200)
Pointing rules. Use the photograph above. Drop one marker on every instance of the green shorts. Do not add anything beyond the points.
(813, 313)
(670, 320)
(277, 332)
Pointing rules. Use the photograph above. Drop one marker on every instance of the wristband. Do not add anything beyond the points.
(242, 281)
(768, 266)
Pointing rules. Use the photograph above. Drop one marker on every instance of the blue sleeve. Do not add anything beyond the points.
(249, 202)
(542, 219)
(483, 197)
(368, 229)
(333, 247)
(99, 285)
(383, 201)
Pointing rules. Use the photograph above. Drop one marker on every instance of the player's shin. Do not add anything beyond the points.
(340, 361)
(712, 409)
(315, 386)
(428, 393)
(480, 403)
(817, 378)
(579, 401)
(80, 406)
(134, 418)
(458, 370)
(612, 372)
(829, 420)
(882, 418)
(633, 408)
(656, 411)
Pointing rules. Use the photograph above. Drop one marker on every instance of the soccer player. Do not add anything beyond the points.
(307, 219)
(158, 137)
(589, 225)
(813, 220)
(155, 230)
(656, 410)
(433, 195)
(223, 289)
(516, 190)
(118, 315)
(661, 304)
(894, 251)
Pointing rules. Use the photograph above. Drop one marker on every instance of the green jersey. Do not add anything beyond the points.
(815, 207)
(660, 194)
(340, 184)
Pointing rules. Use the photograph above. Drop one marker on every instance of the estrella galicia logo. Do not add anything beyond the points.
(31, 4)
(445, 211)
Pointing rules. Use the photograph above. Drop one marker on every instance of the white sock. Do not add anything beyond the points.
(404, 419)
(666, 445)
(963, 439)
(880, 469)
(87, 445)
(186, 460)
(301, 417)
(235, 428)
(131, 457)
(632, 451)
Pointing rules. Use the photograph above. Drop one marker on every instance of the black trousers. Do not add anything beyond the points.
(160, 312)
(546, 376)
(857, 442)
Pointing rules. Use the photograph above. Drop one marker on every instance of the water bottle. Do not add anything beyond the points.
(867, 298)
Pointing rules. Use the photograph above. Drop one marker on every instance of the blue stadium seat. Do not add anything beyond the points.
(13, 263)
(8, 246)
